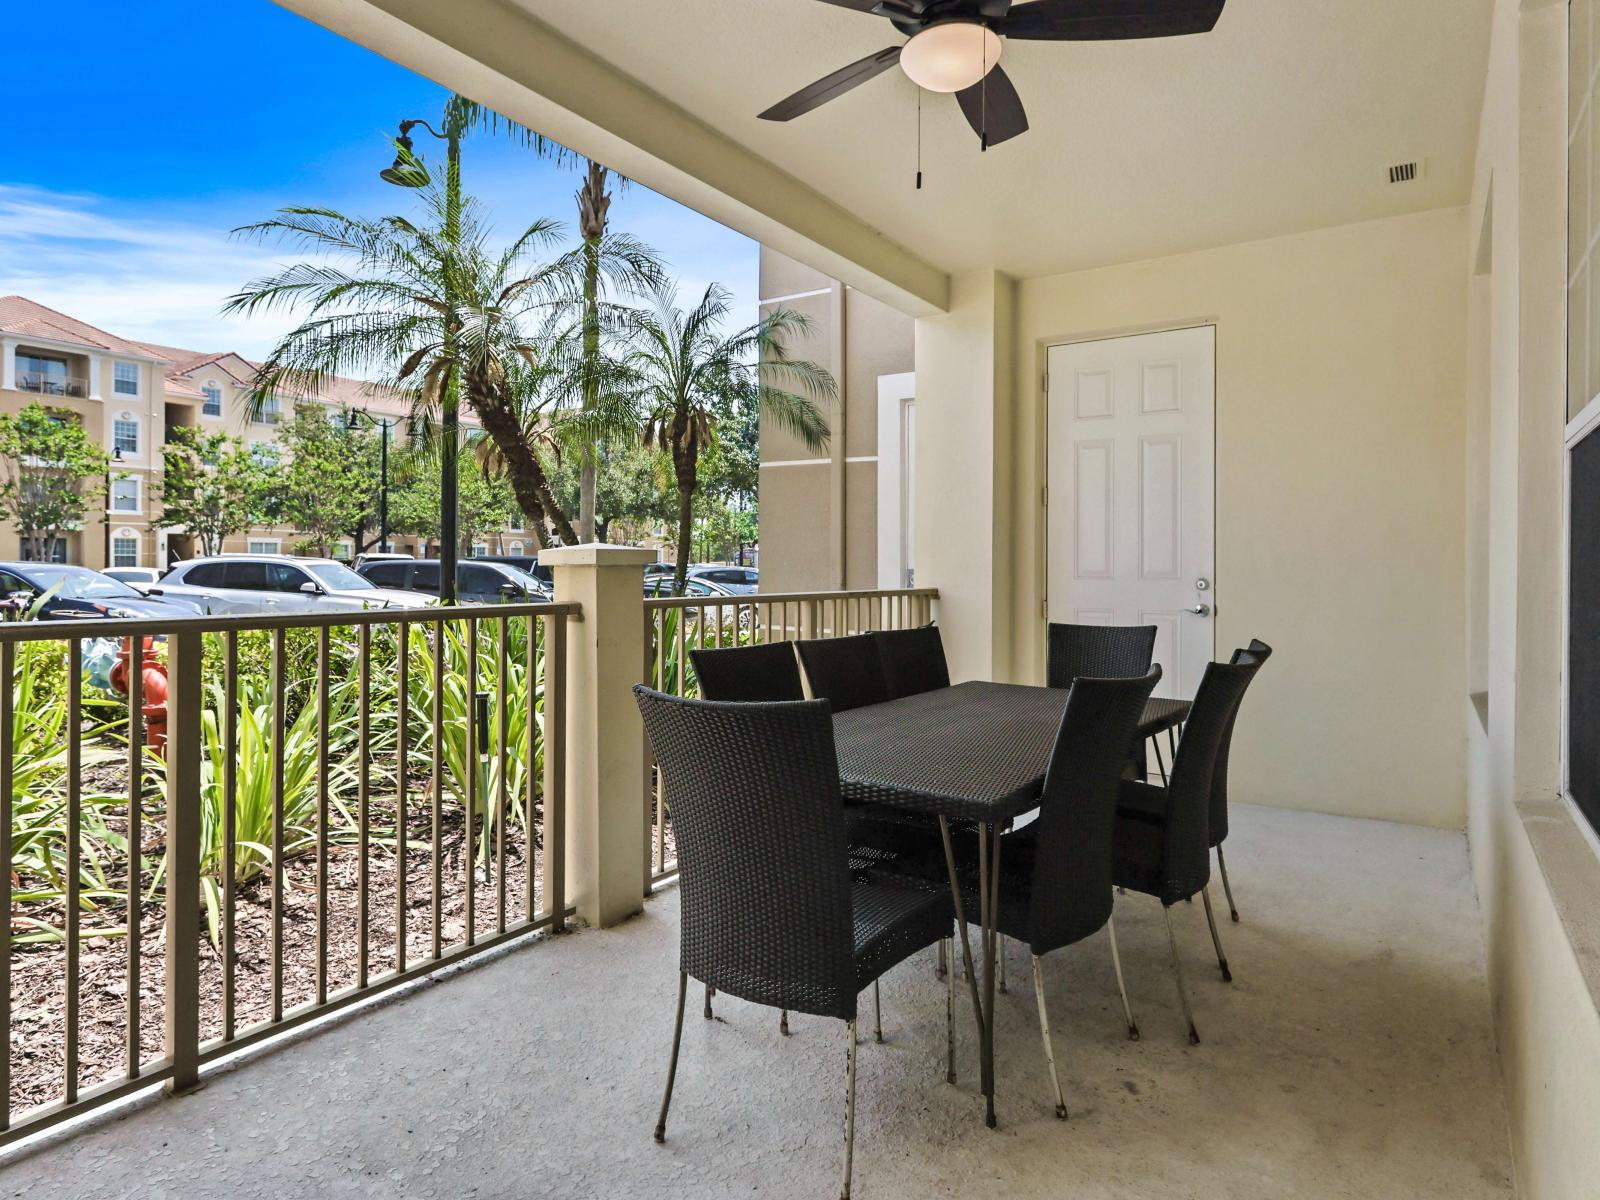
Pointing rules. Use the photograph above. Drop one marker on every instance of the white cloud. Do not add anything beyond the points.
(135, 275)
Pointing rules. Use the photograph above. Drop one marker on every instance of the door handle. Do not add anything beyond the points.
(1201, 610)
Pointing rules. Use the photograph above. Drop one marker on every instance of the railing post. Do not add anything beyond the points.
(183, 860)
(606, 847)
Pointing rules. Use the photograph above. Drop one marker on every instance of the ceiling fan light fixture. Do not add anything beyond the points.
(952, 56)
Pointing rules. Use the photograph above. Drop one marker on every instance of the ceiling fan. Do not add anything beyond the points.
(955, 46)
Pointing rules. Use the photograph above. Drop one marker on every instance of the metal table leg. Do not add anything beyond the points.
(961, 924)
(989, 909)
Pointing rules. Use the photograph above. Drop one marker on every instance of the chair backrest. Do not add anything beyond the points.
(1187, 856)
(749, 673)
(1098, 651)
(844, 670)
(1256, 653)
(764, 879)
(912, 660)
(1078, 810)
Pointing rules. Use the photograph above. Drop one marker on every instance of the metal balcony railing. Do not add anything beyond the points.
(277, 817)
(46, 384)
(674, 626)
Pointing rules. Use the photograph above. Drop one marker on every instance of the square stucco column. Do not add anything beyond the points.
(965, 461)
(605, 657)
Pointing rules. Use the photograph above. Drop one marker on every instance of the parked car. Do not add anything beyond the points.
(523, 562)
(372, 556)
(78, 592)
(740, 581)
(138, 578)
(478, 581)
(261, 583)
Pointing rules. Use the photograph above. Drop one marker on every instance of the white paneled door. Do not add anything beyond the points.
(1131, 500)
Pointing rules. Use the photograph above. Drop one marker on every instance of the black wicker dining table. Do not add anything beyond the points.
(973, 753)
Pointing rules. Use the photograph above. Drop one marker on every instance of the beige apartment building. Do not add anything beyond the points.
(841, 519)
(130, 395)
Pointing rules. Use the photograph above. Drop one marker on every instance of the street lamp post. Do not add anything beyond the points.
(383, 470)
(408, 171)
(116, 457)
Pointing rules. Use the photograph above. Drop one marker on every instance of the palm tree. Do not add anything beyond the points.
(594, 207)
(429, 308)
(692, 376)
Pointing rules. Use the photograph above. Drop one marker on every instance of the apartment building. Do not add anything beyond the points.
(841, 518)
(129, 396)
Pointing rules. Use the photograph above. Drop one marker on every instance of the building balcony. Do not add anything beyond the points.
(47, 384)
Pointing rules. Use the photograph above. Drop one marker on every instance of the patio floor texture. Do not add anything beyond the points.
(1351, 1057)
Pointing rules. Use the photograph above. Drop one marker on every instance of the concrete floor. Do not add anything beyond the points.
(1351, 1057)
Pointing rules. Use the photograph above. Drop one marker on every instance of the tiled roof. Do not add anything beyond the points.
(24, 317)
(27, 318)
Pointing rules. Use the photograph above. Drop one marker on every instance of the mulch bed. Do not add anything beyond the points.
(38, 973)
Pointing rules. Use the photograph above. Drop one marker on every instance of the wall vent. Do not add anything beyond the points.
(1408, 172)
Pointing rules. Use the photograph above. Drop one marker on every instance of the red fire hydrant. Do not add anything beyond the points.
(154, 691)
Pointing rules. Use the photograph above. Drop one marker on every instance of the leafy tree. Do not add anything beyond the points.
(50, 469)
(328, 480)
(694, 377)
(483, 504)
(633, 494)
(211, 486)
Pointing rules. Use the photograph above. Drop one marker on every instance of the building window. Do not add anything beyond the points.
(47, 376)
(514, 522)
(125, 435)
(265, 545)
(344, 551)
(263, 451)
(125, 495)
(56, 551)
(125, 378)
(271, 412)
(213, 404)
(480, 549)
(515, 549)
(125, 549)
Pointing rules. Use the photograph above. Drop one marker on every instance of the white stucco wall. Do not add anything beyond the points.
(1340, 496)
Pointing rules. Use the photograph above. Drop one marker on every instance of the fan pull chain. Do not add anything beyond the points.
(919, 139)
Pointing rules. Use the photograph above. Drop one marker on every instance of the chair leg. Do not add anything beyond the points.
(1000, 949)
(1211, 920)
(1116, 963)
(849, 1114)
(710, 992)
(783, 1022)
(1177, 970)
(1227, 890)
(672, 1066)
(941, 966)
(949, 1026)
(1049, 1046)
(1160, 762)
(877, 1014)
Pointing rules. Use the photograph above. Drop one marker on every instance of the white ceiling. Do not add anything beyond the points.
(1285, 118)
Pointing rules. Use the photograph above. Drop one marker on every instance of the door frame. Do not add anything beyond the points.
(897, 394)
(1044, 346)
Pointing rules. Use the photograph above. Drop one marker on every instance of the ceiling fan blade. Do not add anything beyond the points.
(865, 6)
(1109, 20)
(829, 86)
(998, 116)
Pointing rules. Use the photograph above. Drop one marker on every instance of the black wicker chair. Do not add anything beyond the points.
(749, 673)
(846, 671)
(912, 660)
(1057, 889)
(1099, 651)
(1163, 847)
(770, 911)
(1257, 653)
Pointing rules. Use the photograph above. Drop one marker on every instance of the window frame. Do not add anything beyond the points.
(120, 537)
(138, 495)
(211, 389)
(117, 379)
(253, 545)
(133, 420)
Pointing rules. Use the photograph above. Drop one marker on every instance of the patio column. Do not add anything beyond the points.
(964, 467)
(605, 655)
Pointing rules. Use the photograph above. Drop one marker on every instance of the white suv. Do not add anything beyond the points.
(268, 583)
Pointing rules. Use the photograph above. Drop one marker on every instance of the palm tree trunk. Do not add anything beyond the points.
(684, 461)
(529, 483)
(593, 205)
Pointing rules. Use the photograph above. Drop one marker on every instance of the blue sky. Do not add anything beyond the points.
(143, 145)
